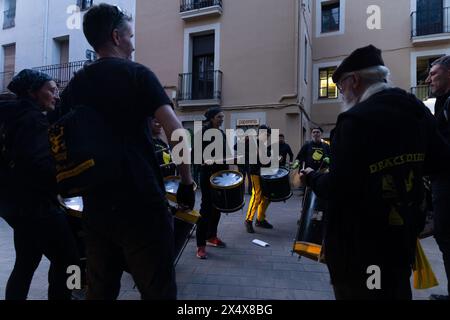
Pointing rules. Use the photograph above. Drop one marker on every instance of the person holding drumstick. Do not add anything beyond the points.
(374, 188)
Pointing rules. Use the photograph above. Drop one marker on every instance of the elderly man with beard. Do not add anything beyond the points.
(374, 188)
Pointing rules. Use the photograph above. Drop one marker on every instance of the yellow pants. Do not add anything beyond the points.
(257, 201)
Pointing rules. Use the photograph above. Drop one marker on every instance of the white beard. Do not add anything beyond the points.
(349, 102)
(347, 105)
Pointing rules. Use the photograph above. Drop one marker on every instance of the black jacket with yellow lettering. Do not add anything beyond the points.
(381, 149)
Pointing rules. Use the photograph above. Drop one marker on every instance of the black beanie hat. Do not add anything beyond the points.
(265, 127)
(27, 80)
(359, 59)
(212, 112)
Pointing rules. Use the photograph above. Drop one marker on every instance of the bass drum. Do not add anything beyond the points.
(227, 191)
(309, 237)
(275, 184)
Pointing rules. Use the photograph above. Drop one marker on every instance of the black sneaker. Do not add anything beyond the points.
(439, 297)
(264, 224)
(249, 227)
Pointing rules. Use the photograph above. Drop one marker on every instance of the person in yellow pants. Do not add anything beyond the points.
(257, 202)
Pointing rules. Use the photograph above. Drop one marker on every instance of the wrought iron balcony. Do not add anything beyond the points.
(9, 18)
(188, 5)
(431, 22)
(62, 73)
(194, 8)
(203, 86)
(422, 92)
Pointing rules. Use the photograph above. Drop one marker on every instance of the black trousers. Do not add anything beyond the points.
(209, 222)
(50, 236)
(441, 208)
(138, 239)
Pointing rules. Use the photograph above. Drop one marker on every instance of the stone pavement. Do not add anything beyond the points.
(241, 271)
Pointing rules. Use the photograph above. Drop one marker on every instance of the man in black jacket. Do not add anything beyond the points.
(374, 188)
(439, 80)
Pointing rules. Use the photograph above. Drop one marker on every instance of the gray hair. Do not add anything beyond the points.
(374, 75)
(442, 61)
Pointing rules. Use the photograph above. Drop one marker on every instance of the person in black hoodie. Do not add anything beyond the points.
(39, 223)
(374, 187)
(439, 80)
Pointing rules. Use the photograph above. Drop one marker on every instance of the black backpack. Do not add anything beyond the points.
(87, 152)
(7, 204)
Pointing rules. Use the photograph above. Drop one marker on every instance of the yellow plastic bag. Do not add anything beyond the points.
(424, 277)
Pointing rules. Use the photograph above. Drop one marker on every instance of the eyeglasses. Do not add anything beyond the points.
(119, 15)
(339, 84)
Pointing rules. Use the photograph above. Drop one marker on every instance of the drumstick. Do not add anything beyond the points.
(166, 165)
(162, 150)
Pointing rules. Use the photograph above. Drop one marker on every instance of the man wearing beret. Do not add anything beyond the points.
(374, 188)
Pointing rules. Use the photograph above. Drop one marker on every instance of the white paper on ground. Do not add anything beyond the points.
(260, 243)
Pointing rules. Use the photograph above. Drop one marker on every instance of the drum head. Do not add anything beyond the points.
(227, 179)
(269, 173)
(75, 204)
(171, 184)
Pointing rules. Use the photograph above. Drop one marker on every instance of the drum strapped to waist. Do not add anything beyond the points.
(275, 184)
(309, 239)
(227, 190)
(184, 220)
(74, 210)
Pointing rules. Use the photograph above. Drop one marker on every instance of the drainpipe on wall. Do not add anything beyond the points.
(45, 52)
(294, 95)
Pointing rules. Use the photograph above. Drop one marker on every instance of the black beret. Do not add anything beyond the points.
(28, 80)
(212, 112)
(359, 59)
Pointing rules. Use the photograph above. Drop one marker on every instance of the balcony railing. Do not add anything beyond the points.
(5, 79)
(430, 22)
(62, 73)
(200, 86)
(422, 92)
(9, 18)
(188, 5)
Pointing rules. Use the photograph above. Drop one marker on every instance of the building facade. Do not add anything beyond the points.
(411, 34)
(271, 62)
(46, 35)
(245, 56)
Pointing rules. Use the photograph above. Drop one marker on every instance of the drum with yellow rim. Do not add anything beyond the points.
(227, 191)
(184, 220)
(309, 239)
(275, 184)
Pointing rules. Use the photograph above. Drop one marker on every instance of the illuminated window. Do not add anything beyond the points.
(327, 88)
